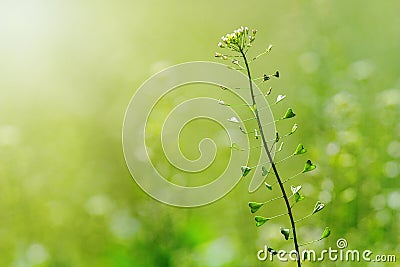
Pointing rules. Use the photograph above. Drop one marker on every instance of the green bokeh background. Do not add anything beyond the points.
(69, 68)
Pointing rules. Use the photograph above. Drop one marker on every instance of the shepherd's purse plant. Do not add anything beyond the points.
(235, 48)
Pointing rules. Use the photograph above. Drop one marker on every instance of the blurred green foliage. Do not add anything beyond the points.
(69, 68)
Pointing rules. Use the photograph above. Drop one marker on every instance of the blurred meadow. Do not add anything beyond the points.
(68, 70)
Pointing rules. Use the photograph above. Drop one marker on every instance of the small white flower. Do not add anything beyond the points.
(280, 147)
(234, 120)
(280, 98)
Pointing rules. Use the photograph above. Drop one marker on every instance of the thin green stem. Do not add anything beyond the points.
(273, 199)
(310, 242)
(276, 216)
(305, 217)
(290, 178)
(249, 119)
(259, 55)
(264, 141)
(282, 160)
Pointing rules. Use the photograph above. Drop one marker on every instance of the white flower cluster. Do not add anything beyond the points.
(238, 40)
